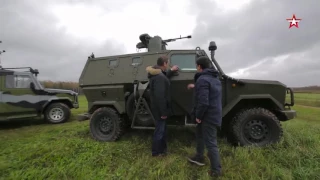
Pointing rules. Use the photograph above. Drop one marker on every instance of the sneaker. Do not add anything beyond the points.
(197, 160)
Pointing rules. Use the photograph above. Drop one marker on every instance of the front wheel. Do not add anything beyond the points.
(57, 113)
(106, 124)
(256, 126)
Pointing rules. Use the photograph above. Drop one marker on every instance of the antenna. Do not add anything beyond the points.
(3, 51)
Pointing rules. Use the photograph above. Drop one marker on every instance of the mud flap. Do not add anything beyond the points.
(138, 91)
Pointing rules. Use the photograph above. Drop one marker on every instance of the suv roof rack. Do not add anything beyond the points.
(33, 71)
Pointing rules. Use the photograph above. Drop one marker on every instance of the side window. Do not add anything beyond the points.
(10, 81)
(136, 61)
(113, 63)
(18, 81)
(186, 62)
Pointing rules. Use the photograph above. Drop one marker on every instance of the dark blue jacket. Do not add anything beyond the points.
(207, 97)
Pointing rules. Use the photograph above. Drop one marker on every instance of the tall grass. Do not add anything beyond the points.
(34, 150)
(307, 99)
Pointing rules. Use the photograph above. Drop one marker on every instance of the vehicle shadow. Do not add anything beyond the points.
(184, 135)
(19, 123)
(181, 140)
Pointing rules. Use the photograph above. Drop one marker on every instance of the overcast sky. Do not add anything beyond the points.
(253, 37)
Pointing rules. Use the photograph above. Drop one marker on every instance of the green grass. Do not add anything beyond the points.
(34, 150)
(308, 99)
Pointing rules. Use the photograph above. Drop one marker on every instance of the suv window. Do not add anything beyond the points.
(18, 81)
(184, 61)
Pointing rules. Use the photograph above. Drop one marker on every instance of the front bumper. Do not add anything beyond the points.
(75, 105)
(76, 101)
(290, 114)
(83, 117)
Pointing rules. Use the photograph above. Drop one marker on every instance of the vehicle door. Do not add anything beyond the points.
(18, 95)
(181, 96)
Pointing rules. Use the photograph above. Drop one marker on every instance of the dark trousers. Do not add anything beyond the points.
(207, 136)
(159, 143)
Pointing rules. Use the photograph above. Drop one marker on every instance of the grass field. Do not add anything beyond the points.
(308, 99)
(33, 150)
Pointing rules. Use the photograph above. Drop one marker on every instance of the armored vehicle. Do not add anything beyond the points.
(22, 96)
(116, 88)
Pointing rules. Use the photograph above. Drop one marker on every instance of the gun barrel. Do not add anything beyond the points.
(170, 40)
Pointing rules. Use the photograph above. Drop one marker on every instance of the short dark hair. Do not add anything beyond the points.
(161, 60)
(203, 62)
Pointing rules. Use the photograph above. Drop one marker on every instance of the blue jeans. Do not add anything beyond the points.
(159, 142)
(207, 136)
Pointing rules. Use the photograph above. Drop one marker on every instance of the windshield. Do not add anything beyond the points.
(185, 62)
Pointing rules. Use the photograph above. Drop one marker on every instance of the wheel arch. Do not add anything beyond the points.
(111, 104)
(250, 101)
(65, 101)
(245, 101)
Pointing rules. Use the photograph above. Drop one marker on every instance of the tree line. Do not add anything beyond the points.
(309, 89)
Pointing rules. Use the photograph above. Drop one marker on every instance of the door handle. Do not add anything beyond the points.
(176, 73)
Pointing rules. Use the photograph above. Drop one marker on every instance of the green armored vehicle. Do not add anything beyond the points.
(22, 96)
(116, 88)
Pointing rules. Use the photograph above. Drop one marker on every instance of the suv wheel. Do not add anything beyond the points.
(143, 118)
(57, 113)
(256, 126)
(106, 124)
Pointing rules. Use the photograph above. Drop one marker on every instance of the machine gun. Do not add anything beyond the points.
(155, 43)
(174, 39)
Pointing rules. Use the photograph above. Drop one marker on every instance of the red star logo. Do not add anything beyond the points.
(294, 21)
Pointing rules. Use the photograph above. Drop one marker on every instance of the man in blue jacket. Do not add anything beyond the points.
(207, 111)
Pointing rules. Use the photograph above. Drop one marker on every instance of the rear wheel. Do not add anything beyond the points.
(106, 124)
(143, 117)
(57, 113)
(256, 126)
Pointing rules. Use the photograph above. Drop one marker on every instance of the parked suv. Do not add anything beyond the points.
(22, 96)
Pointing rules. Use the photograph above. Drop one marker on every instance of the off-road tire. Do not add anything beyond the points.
(265, 127)
(130, 107)
(106, 119)
(60, 108)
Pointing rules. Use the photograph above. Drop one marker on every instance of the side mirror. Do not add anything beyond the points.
(32, 86)
(212, 46)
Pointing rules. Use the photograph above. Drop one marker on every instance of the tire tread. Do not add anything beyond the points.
(119, 121)
(241, 116)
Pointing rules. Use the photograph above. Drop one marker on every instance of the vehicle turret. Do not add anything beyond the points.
(155, 43)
